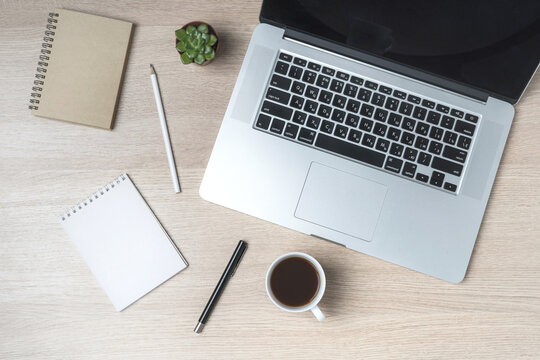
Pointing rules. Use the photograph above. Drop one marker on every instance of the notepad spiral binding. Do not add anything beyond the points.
(52, 22)
(95, 196)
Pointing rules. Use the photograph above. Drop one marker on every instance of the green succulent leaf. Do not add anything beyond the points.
(212, 40)
(199, 59)
(190, 29)
(210, 55)
(207, 49)
(185, 58)
(191, 53)
(181, 46)
(180, 34)
(203, 28)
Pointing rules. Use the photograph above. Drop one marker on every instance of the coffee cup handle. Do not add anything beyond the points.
(318, 313)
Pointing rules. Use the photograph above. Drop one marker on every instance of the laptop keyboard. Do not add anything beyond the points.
(367, 121)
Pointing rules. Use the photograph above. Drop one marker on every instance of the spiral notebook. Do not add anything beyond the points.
(122, 241)
(80, 68)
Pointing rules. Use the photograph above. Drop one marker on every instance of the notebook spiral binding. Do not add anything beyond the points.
(101, 192)
(43, 58)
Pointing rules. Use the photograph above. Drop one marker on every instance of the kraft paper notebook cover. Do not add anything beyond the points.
(122, 241)
(80, 68)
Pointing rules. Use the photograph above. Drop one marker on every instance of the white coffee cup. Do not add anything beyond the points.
(312, 305)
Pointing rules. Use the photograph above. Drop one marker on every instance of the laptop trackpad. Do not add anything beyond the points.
(341, 201)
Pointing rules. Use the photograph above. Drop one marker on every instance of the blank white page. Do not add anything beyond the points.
(122, 241)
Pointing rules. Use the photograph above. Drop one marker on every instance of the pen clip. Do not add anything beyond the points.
(237, 262)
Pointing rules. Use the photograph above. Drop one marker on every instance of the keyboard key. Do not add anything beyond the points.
(337, 86)
(278, 95)
(443, 109)
(436, 133)
(380, 115)
(277, 126)
(409, 169)
(306, 135)
(396, 149)
(281, 68)
(379, 129)
(419, 113)
(368, 140)
(422, 177)
(352, 120)
(353, 106)
(342, 76)
(408, 124)
(450, 137)
(364, 95)
(457, 113)
(435, 147)
(428, 104)
(407, 138)
(312, 92)
(447, 122)
(464, 128)
(348, 149)
(385, 90)
(367, 110)
(328, 71)
(280, 82)
(422, 128)
(393, 134)
(323, 81)
(285, 57)
(433, 118)
(448, 167)
(421, 143)
(355, 135)
(311, 106)
(450, 187)
(394, 119)
(393, 164)
(350, 90)
(340, 101)
(298, 88)
(382, 145)
(300, 62)
(338, 115)
(297, 102)
(414, 99)
(263, 121)
(424, 158)
(471, 118)
(299, 117)
(378, 99)
(327, 126)
(400, 94)
(314, 66)
(291, 130)
(313, 122)
(295, 72)
(455, 154)
(410, 154)
(325, 96)
(276, 110)
(437, 179)
(309, 77)
(366, 125)
(356, 80)
(405, 108)
(464, 142)
(371, 85)
(391, 104)
(341, 131)
(324, 111)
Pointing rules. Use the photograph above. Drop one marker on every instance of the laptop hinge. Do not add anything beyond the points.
(405, 70)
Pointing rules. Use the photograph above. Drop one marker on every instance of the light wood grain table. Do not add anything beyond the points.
(52, 308)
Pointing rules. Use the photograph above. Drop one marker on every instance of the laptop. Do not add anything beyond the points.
(376, 125)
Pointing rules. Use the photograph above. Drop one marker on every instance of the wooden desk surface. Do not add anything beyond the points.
(52, 308)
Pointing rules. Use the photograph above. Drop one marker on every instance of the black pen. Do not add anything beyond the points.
(229, 272)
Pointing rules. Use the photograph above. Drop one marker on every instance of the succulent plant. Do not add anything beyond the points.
(196, 44)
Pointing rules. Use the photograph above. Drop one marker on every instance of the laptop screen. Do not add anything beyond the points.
(488, 44)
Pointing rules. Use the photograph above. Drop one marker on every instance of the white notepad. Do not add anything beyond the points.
(122, 241)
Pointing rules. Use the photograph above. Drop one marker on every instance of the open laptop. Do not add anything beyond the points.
(378, 125)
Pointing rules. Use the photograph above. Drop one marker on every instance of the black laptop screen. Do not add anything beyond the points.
(489, 44)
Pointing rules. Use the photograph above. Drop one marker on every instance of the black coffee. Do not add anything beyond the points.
(294, 282)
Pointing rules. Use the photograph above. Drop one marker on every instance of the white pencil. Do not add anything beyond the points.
(164, 130)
